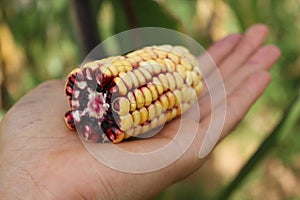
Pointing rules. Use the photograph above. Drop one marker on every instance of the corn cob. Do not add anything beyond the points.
(123, 96)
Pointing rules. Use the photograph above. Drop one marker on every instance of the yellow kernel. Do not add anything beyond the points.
(185, 94)
(132, 101)
(174, 58)
(144, 115)
(153, 123)
(151, 53)
(126, 79)
(171, 98)
(196, 78)
(133, 78)
(121, 86)
(178, 97)
(139, 97)
(113, 69)
(146, 73)
(156, 67)
(139, 76)
(146, 127)
(192, 94)
(121, 105)
(173, 113)
(136, 117)
(159, 86)
(147, 96)
(164, 81)
(151, 112)
(127, 65)
(159, 108)
(170, 65)
(189, 78)
(153, 91)
(105, 71)
(171, 81)
(161, 64)
(138, 58)
(119, 138)
(147, 66)
(119, 65)
(186, 64)
(129, 133)
(92, 65)
(199, 88)
(126, 122)
(181, 70)
(160, 53)
(178, 79)
(132, 61)
(164, 101)
(161, 119)
(145, 55)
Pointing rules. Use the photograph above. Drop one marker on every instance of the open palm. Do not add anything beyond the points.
(41, 159)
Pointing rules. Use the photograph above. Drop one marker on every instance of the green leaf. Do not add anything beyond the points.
(120, 23)
(150, 13)
(147, 13)
(278, 135)
(246, 12)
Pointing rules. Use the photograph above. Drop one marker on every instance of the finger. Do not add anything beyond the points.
(241, 100)
(263, 59)
(265, 56)
(251, 40)
(246, 46)
(216, 53)
(238, 104)
(209, 61)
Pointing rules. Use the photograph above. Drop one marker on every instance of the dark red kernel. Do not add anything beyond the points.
(70, 119)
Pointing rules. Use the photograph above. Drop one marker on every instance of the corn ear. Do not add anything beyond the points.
(123, 96)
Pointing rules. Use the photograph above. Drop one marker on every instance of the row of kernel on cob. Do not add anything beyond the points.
(123, 96)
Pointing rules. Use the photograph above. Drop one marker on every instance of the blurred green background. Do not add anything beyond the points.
(41, 40)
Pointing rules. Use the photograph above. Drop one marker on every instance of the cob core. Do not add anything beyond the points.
(123, 96)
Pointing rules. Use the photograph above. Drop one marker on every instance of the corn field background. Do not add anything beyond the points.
(41, 40)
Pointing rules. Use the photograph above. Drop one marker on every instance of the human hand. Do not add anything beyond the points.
(41, 159)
